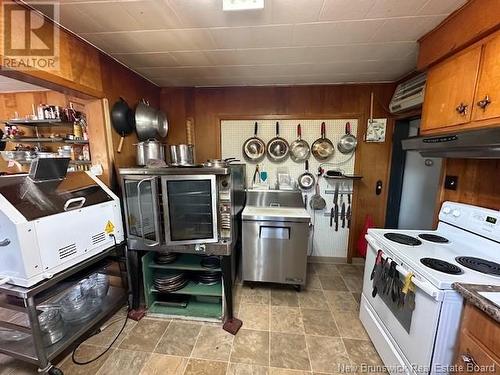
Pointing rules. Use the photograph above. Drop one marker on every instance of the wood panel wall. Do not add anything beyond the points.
(209, 105)
(478, 182)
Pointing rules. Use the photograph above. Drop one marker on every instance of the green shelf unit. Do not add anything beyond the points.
(194, 308)
(188, 262)
(203, 301)
(195, 289)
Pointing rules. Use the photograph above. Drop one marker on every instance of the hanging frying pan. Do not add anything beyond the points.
(348, 142)
(122, 118)
(299, 149)
(254, 148)
(306, 180)
(277, 148)
(323, 148)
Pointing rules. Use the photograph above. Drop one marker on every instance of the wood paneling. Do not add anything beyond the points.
(478, 182)
(467, 25)
(209, 105)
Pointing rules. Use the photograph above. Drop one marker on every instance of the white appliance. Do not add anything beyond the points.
(408, 94)
(422, 341)
(47, 227)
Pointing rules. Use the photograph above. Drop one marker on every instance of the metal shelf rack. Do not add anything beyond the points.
(32, 349)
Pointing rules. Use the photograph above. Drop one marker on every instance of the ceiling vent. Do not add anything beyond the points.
(409, 94)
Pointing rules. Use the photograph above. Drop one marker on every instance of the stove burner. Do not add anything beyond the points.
(480, 265)
(403, 239)
(433, 238)
(441, 266)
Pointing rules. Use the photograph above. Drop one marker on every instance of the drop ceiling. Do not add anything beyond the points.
(195, 43)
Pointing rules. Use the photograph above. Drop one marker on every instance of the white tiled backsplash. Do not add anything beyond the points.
(327, 242)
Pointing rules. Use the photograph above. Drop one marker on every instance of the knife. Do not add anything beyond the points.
(342, 214)
(336, 215)
(349, 214)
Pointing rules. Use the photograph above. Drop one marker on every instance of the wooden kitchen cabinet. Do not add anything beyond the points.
(487, 98)
(478, 349)
(449, 92)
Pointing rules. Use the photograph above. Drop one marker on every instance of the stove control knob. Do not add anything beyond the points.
(446, 210)
(456, 213)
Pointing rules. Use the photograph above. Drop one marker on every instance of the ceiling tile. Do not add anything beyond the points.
(192, 58)
(406, 29)
(258, 56)
(152, 41)
(441, 7)
(327, 33)
(152, 14)
(295, 11)
(338, 10)
(395, 8)
(209, 13)
(253, 37)
(146, 59)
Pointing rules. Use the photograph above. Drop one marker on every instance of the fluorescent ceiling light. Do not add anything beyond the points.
(230, 5)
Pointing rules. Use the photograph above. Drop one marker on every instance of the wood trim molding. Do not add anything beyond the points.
(467, 25)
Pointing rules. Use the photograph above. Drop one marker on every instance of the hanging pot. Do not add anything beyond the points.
(254, 148)
(299, 149)
(348, 142)
(323, 148)
(146, 121)
(122, 118)
(277, 148)
(306, 179)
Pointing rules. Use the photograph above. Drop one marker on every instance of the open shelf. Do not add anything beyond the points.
(194, 308)
(188, 262)
(25, 350)
(34, 140)
(196, 289)
(203, 301)
(44, 122)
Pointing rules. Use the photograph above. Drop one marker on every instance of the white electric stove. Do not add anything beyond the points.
(464, 248)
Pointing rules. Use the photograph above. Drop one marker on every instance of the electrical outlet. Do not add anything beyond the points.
(451, 182)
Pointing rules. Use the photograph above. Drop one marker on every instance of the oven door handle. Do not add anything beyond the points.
(422, 285)
(155, 213)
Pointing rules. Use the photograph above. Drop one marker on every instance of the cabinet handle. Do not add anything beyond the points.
(462, 109)
(484, 103)
(468, 360)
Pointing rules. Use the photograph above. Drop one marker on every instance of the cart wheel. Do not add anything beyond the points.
(55, 371)
(298, 287)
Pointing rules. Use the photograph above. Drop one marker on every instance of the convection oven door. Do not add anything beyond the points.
(402, 336)
(142, 217)
(190, 209)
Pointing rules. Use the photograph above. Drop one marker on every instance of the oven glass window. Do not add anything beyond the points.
(190, 210)
(140, 204)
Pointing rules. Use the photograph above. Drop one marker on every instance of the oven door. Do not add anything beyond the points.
(402, 336)
(190, 209)
(142, 217)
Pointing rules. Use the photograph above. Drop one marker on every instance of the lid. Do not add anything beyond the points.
(35, 200)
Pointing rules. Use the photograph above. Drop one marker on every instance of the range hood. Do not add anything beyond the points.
(476, 144)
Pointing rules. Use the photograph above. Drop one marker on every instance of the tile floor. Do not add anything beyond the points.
(284, 333)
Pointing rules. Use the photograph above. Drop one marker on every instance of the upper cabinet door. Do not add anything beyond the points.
(487, 99)
(449, 91)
